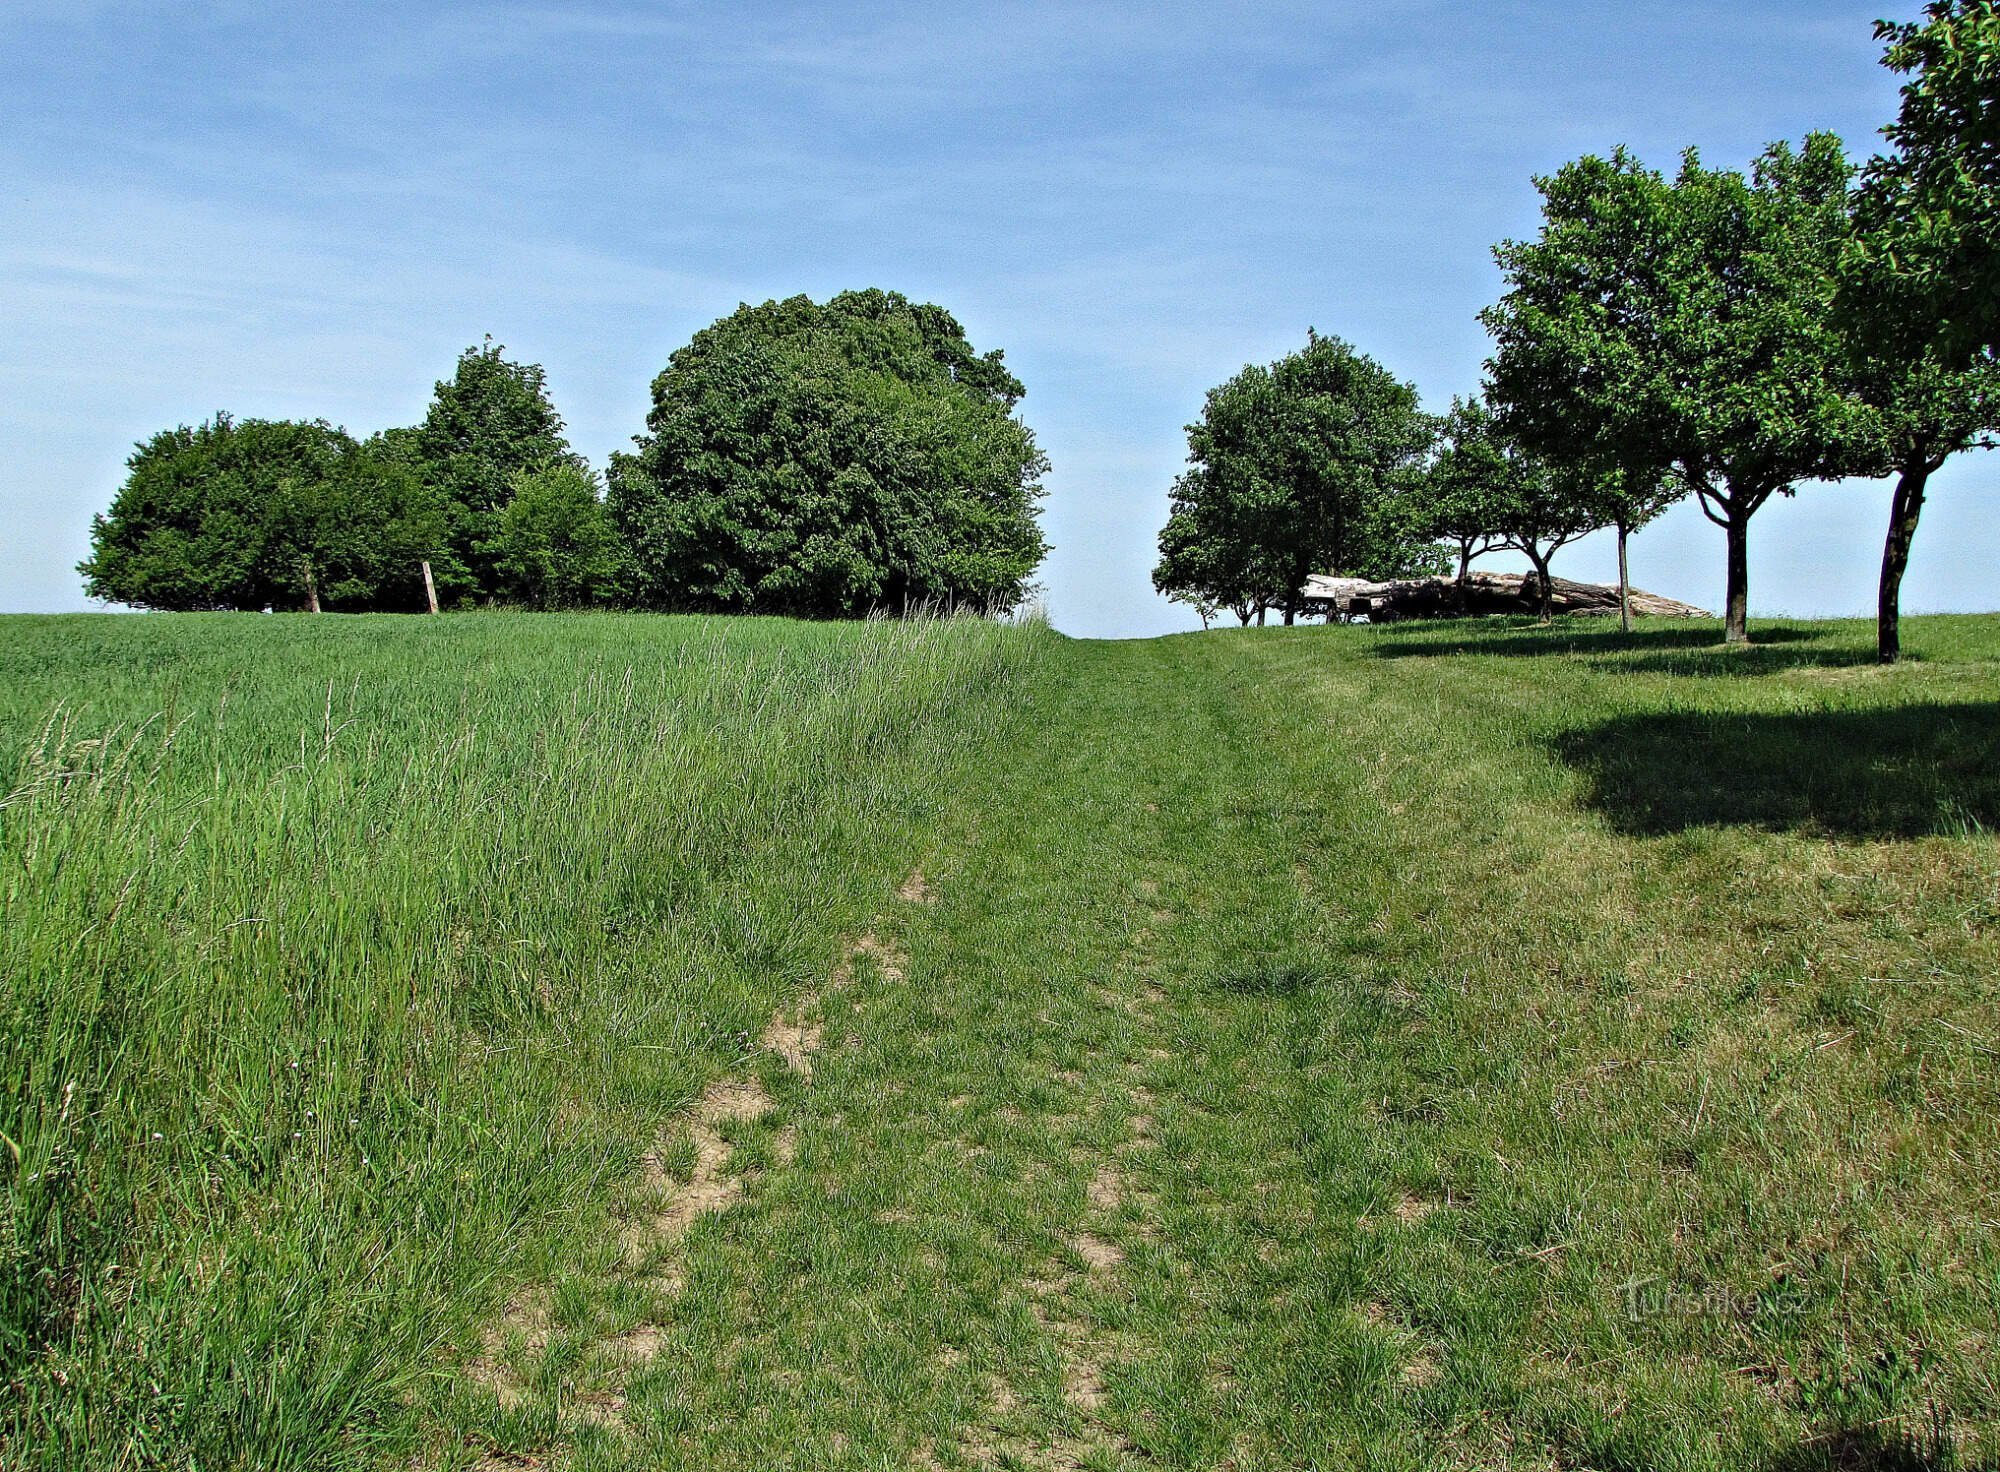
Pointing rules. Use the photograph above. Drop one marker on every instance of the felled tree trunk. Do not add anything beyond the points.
(1479, 594)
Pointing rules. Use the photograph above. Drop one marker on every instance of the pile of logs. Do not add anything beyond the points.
(1480, 593)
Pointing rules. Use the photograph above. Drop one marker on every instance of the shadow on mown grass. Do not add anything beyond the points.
(1524, 638)
(1875, 1449)
(1758, 659)
(1270, 978)
(1900, 772)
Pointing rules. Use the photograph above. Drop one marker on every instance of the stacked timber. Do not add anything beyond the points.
(1480, 593)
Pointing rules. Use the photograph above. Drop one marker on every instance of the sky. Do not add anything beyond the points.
(285, 210)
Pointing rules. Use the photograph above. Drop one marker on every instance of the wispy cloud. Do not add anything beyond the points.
(281, 211)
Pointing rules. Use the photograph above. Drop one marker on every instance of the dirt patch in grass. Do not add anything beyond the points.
(509, 1462)
(1411, 1208)
(886, 957)
(1106, 1189)
(1099, 1255)
(517, 1336)
(1420, 1371)
(795, 1040)
(916, 890)
(710, 1187)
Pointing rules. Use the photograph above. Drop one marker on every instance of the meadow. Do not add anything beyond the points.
(612, 1041)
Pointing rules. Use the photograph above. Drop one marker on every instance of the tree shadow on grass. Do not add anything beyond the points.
(1897, 772)
(1270, 978)
(1522, 638)
(1758, 659)
(1875, 1449)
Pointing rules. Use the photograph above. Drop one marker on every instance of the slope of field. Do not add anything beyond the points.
(347, 962)
(959, 1047)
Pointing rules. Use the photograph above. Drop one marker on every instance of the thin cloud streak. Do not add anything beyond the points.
(1133, 202)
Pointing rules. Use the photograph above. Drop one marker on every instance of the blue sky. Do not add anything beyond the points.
(289, 210)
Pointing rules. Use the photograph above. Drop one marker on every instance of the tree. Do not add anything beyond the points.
(828, 460)
(1686, 327)
(1296, 468)
(1926, 411)
(1934, 276)
(1512, 497)
(252, 513)
(556, 546)
(1205, 557)
(486, 424)
(1630, 497)
(1920, 291)
(1453, 507)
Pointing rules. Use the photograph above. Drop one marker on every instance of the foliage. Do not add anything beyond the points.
(555, 546)
(829, 460)
(1686, 326)
(1486, 489)
(1931, 208)
(1926, 406)
(248, 514)
(1301, 467)
(1910, 289)
(490, 422)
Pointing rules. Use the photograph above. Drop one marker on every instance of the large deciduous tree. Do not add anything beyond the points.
(1300, 467)
(251, 513)
(830, 460)
(489, 423)
(1686, 326)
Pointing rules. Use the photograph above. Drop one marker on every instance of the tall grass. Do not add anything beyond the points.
(345, 960)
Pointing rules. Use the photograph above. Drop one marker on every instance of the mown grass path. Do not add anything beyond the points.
(1283, 1056)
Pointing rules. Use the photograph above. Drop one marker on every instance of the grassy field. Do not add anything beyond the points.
(635, 1043)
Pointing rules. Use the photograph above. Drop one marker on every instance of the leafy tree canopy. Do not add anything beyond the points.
(1930, 209)
(1300, 467)
(556, 546)
(488, 423)
(252, 513)
(1485, 483)
(829, 459)
(1686, 325)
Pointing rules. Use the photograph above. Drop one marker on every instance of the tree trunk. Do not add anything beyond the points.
(1260, 615)
(312, 590)
(1289, 614)
(1624, 585)
(1464, 558)
(1736, 610)
(1903, 514)
(1545, 592)
(430, 588)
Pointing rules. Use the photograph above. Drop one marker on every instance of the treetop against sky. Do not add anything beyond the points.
(1133, 203)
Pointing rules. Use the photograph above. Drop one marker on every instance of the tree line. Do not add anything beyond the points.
(1717, 334)
(814, 459)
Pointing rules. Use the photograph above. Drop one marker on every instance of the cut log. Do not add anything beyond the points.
(1479, 595)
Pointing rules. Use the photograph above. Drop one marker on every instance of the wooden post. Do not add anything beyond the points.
(312, 590)
(430, 588)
